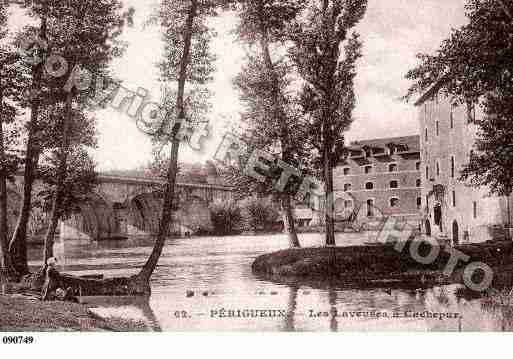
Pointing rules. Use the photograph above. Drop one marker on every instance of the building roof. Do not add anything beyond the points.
(432, 90)
(412, 142)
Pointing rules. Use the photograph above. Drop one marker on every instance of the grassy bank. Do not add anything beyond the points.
(380, 263)
(20, 313)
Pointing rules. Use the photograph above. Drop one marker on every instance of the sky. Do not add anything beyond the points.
(393, 32)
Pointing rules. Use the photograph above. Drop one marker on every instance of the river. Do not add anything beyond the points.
(206, 284)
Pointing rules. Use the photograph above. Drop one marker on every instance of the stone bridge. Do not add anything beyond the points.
(122, 206)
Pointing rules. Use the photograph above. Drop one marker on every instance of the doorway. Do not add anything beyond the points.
(455, 234)
(428, 228)
(438, 216)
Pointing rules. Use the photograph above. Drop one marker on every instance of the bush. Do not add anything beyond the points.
(226, 217)
(259, 214)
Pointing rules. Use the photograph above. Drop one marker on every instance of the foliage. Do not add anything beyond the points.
(491, 162)
(259, 214)
(81, 180)
(226, 217)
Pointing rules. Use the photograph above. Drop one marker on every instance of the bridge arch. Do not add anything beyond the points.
(93, 219)
(144, 213)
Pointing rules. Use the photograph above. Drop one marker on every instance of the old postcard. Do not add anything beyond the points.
(255, 166)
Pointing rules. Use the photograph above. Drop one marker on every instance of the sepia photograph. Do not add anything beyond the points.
(207, 166)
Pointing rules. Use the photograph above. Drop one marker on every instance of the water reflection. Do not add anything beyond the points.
(218, 273)
(136, 308)
(291, 309)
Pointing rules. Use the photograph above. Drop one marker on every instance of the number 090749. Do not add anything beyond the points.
(18, 339)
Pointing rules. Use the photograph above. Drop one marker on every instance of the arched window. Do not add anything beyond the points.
(418, 182)
(419, 202)
(392, 167)
(369, 185)
(347, 187)
(427, 172)
(452, 167)
(394, 202)
(417, 166)
(394, 184)
(437, 169)
(367, 169)
(346, 171)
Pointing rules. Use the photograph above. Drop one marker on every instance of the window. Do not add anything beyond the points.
(454, 198)
(394, 202)
(451, 118)
(346, 171)
(427, 201)
(370, 207)
(417, 166)
(392, 167)
(418, 182)
(425, 135)
(427, 172)
(437, 169)
(368, 169)
(394, 184)
(419, 202)
(348, 204)
(452, 166)
(437, 128)
(474, 209)
(369, 185)
(347, 187)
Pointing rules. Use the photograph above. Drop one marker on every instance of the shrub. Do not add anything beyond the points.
(226, 217)
(259, 214)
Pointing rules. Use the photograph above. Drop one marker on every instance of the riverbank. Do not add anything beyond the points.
(24, 313)
(372, 265)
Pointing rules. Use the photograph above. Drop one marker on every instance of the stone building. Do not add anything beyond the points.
(383, 178)
(452, 210)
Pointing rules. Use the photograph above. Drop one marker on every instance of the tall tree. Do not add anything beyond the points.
(18, 243)
(326, 59)
(187, 60)
(473, 67)
(86, 33)
(11, 83)
(271, 117)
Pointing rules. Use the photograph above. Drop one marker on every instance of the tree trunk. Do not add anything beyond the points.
(508, 229)
(58, 196)
(18, 243)
(288, 221)
(169, 193)
(328, 195)
(509, 210)
(5, 261)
